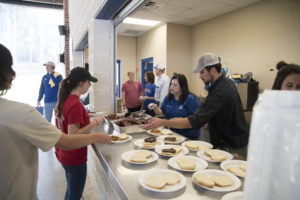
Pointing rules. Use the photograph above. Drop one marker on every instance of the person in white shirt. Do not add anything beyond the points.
(22, 131)
(162, 85)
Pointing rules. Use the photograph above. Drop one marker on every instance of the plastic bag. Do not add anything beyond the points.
(273, 166)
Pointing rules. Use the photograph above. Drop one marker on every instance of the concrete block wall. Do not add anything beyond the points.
(101, 45)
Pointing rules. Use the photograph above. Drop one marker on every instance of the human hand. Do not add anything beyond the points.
(142, 98)
(38, 104)
(152, 106)
(103, 138)
(153, 123)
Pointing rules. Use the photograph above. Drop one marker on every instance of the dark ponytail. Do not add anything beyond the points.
(65, 89)
(284, 70)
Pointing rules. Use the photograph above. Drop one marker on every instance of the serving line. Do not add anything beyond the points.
(124, 176)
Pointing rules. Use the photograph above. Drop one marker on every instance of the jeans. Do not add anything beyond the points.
(48, 110)
(76, 176)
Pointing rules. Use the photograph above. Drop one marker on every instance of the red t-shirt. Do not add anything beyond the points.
(73, 113)
(132, 93)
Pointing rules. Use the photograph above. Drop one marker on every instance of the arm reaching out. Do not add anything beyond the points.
(69, 142)
(179, 123)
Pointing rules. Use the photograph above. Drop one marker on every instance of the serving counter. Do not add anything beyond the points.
(124, 176)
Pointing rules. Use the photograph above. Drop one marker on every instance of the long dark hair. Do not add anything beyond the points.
(284, 70)
(65, 89)
(150, 77)
(183, 86)
(7, 74)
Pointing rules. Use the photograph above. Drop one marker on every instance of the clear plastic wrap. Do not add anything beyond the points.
(273, 164)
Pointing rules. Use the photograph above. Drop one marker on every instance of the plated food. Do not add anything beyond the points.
(160, 131)
(162, 180)
(216, 180)
(236, 167)
(147, 143)
(171, 150)
(171, 139)
(195, 145)
(214, 155)
(120, 138)
(187, 163)
(139, 156)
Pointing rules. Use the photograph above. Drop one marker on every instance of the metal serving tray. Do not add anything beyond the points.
(127, 129)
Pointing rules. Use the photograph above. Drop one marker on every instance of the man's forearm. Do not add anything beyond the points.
(179, 123)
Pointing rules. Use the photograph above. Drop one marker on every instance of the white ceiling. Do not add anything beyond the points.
(185, 12)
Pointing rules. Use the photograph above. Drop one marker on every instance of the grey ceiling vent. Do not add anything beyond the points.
(152, 6)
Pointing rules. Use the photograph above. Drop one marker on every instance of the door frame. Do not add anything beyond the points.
(144, 61)
(119, 78)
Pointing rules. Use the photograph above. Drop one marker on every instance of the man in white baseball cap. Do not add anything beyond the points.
(49, 87)
(162, 85)
(222, 110)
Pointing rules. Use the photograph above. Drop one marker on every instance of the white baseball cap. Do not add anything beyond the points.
(159, 66)
(207, 59)
(49, 63)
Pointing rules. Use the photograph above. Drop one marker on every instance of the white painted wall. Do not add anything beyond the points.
(153, 44)
(126, 53)
(252, 39)
(179, 50)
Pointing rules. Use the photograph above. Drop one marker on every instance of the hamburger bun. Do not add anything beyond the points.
(215, 155)
(204, 180)
(222, 181)
(156, 182)
(138, 159)
(186, 163)
(236, 170)
(171, 178)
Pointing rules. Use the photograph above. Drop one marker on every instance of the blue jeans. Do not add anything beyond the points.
(75, 176)
(48, 110)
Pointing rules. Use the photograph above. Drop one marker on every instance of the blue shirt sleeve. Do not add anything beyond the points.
(42, 91)
(163, 105)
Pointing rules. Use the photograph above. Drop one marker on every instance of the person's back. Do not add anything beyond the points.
(228, 126)
(20, 139)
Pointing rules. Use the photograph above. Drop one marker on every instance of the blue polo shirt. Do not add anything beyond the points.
(149, 92)
(172, 109)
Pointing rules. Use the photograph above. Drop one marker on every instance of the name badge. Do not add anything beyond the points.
(180, 107)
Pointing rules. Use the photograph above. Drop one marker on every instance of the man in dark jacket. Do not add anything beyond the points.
(222, 109)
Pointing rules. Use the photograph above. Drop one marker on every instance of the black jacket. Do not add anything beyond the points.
(223, 111)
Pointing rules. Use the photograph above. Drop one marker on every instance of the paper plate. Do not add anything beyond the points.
(167, 188)
(200, 163)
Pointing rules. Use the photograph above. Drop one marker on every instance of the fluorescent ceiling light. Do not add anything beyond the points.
(144, 22)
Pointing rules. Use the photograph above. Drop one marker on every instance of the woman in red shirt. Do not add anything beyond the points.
(72, 118)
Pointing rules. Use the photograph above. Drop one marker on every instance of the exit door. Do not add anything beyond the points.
(147, 66)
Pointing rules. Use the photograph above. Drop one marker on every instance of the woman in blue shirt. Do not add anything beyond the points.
(149, 92)
(180, 102)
